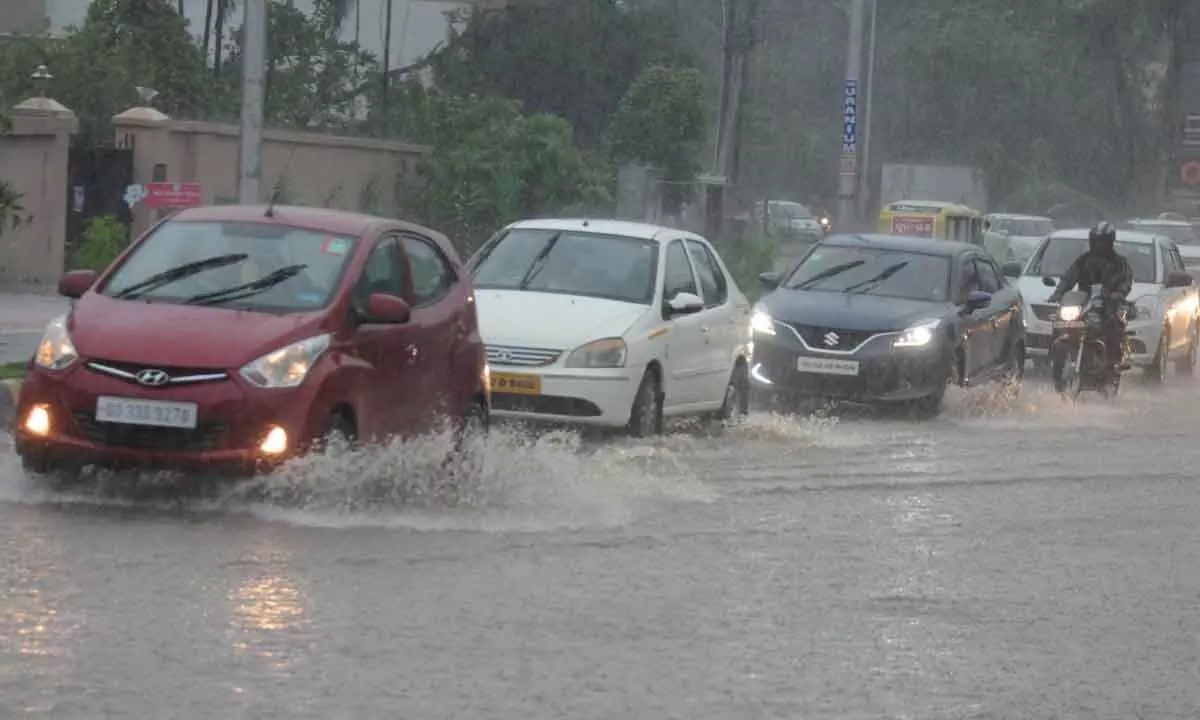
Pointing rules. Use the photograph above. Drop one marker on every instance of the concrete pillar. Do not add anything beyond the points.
(147, 132)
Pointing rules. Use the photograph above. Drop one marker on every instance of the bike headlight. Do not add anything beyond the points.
(606, 353)
(288, 366)
(1069, 313)
(56, 351)
(761, 321)
(919, 335)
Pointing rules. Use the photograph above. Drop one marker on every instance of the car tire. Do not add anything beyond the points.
(1156, 372)
(1014, 374)
(1187, 365)
(340, 434)
(930, 406)
(737, 395)
(475, 421)
(646, 416)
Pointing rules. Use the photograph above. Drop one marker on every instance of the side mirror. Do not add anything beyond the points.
(1177, 279)
(685, 304)
(769, 280)
(1049, 282)
(976, 300)
(1011, 270)
(387, 309)
(75, 283)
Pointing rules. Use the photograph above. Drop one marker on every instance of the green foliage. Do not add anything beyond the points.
(747, 258)
(103, 240)
(13, 371)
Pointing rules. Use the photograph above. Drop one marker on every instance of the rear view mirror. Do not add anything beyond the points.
(977, 299)
(1177, 279)
(1011, 270)
(1049, 282)
(387, 309)
(685, 303)
(769, 280)
(75, 283)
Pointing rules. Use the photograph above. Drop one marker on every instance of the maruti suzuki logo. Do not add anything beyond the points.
(153, 378)
(831, 339)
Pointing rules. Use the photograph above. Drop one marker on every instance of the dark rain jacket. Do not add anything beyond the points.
(1091, 268)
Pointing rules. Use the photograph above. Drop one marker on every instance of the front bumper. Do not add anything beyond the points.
(884, 374)
(554, 394)
(232, 422)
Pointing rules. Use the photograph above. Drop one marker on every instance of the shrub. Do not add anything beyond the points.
(747, 258)
(103, 240)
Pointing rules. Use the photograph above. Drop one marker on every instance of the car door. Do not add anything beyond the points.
(1002, 311)
(386, 405)
(719, 319)
(684, 364)
(1180, 322)
(975, 326)
(438, 326)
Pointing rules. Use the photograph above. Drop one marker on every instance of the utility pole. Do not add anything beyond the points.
(864, 184)
(848, 173)
(250, 139)
(385, 78)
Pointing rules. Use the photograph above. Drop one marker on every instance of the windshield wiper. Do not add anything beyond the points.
(539, 262)
(827, 273)
(238, 292)
(166, 277)
(870, 283)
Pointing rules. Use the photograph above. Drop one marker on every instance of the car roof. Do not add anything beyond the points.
(937, 204)
(1128, 236)
(1160, 222)
(900, 243)
(340, 222)
(625, 228)
(1018, 216)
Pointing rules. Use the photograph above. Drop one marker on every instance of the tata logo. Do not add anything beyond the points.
(831, 339)
(502, 356)
(153, 378)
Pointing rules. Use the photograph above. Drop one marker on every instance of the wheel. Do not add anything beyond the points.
(1187, 365)
(1157, 371)
(737, 395)
(340, 434)
(930, 406)
(1014, 374)
(1067, 379)
(646, 416)
(475, 421)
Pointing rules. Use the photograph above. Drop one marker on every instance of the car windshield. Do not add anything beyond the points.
(569, 262)
(1181, 234)
(270, 267)
(1025, 227)
(1055, 256)
(873, 271)
(790, 210)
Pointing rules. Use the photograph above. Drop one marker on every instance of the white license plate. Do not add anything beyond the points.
(153, 413)
(827, 366)
(1068, 324)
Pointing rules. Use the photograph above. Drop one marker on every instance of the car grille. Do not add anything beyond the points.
(176, 376)
(521, 356)
(1045, 312)
(137, 437)
(817, 337)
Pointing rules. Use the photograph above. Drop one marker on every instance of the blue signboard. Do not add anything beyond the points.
(850, 118)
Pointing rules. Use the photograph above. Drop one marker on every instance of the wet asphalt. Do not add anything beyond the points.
(1039, 561)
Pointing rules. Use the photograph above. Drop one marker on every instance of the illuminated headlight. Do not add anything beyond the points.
(56, 351)
(38, 421)
(761, 321)
(288, 366)
(606, 353)
(1069, 313)
(919, 335)
(1186, 306)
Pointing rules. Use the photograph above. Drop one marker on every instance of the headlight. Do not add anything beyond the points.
(1069, 313)
(1148, 305)
(288, 366)
(919, 335)
(606, 353)
(56, 351)
(761, 322)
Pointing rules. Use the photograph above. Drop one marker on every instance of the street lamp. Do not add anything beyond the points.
(41, 77)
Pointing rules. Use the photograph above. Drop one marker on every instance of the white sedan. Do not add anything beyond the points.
(1165, 327)
(610, 324)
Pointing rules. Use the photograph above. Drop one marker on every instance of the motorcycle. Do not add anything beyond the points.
(1078, 350)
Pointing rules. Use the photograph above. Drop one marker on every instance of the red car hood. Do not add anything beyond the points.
(180, 335)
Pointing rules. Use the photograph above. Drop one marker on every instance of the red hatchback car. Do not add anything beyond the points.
(233, 337)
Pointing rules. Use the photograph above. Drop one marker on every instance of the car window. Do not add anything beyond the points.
(431, 275)
(381, 274)
(569, 262)
(969, 282)
(248, 252)
(989, 278)
(679, 277)
(712, 280)
(1176, 260)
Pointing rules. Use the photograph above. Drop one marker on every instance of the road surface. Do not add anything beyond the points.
(1035, 563)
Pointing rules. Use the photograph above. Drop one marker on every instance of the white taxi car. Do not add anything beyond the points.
(611, 324)
(1165, 326)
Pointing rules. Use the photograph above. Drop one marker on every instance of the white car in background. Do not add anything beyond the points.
(1013, 238)
(1182, 232)
(610, 324)
(1165, 325)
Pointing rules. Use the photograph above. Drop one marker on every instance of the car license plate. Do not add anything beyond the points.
(827, 366)
(153, 413)
(1067, 324)
(516, 384)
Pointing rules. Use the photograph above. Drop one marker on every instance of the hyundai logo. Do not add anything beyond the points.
(153, 378)
(831, 339)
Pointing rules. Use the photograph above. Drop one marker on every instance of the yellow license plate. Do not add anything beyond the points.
(516, 384)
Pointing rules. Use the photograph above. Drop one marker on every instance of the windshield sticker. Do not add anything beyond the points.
(334, 246)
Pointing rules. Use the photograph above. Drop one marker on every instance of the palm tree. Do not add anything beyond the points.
(225, 8)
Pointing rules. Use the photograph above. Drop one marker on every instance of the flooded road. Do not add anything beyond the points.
(1038, 563)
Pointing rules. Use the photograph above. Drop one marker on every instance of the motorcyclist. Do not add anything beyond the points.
(1102, 265)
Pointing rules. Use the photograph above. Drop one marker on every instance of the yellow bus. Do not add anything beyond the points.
(932, 219)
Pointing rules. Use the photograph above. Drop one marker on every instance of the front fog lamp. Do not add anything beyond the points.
(606, 353)
(56, 351)
(761, 322)
(918, 335)
(288, 366)
(275, 443)
(37, 422)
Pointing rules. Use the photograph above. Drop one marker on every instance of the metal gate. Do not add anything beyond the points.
(96, 182)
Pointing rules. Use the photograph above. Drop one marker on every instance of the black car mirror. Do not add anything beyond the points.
(1011, 270)
(769, 280)
(1049, 282)
(1177, 279)
(976, 299)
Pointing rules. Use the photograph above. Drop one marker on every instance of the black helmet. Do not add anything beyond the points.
(1102, 238)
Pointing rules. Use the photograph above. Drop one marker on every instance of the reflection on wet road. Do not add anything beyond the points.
(1033, 563)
